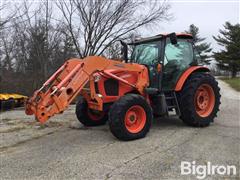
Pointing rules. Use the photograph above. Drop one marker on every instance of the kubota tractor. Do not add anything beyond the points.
(163, 74)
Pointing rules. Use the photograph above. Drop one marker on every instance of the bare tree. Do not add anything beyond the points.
(33, 47)
(33, 43)
(42, 43)
(114, 50)
(96, 24)
(5, 60)
(8, 12)
(3, 20)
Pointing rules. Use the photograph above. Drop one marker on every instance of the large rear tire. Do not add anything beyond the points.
(199, 100)
(87, 116)
(130, 117)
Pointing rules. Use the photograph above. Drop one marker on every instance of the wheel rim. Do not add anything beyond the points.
(204, 100)
(95, 116)
(135, 119)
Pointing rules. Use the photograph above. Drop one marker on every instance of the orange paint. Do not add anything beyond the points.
(135, 119)
(186, 74)
(178, 34)
(70, 80)
(204, 100)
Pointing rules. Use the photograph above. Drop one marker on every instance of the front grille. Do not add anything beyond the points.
(111, 87)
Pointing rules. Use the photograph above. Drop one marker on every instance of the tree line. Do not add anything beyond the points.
(228, 58)
(36, 38)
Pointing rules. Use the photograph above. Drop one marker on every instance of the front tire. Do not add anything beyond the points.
(87, 116)
(130, 117)
(199, 100)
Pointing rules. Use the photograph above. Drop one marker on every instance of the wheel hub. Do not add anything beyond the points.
(204, 100)
(135, 119)
(132, 117)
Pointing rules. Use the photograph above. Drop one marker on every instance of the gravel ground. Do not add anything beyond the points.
(64, 149)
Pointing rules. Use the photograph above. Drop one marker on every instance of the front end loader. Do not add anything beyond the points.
(162, 75)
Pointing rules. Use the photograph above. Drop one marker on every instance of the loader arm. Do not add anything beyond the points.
(67, 82)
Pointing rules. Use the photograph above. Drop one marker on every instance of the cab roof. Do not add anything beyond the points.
(160, 36)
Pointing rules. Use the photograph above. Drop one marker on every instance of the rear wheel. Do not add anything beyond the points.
(87, 116)
(130, 117)
(199, 100)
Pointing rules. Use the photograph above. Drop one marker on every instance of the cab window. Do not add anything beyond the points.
(145, 53)
(181, 53)
(177, 58)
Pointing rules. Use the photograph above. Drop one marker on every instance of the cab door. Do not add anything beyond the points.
(149, 54)
(177, 58)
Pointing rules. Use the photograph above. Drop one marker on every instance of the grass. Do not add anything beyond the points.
(233, 82)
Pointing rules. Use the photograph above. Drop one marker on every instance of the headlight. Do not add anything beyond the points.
(97, 78)
(99, 95)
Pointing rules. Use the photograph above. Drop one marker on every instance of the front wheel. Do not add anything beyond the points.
(199, 100)
(130, 117)
(87, 116)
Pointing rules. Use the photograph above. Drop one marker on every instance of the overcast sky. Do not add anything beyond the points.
(208, 15)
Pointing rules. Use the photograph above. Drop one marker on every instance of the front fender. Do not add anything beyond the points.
(187, 73)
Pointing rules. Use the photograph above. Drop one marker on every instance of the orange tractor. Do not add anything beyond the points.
(163, 74)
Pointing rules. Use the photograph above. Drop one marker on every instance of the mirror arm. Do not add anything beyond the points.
(124, 50)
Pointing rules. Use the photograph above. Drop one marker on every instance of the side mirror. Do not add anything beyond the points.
(124, 50)
(173, 38)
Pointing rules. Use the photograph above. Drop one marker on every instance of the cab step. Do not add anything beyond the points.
(172, 102)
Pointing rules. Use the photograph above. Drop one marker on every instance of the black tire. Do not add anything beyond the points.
(19, 102)
(186, 99)
(118, 112)
(82, 113)
(8, 104)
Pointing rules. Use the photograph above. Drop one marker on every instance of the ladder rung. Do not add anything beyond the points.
(171, 107)
(170, 97)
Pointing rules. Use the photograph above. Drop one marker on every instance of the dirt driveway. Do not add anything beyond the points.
(63, 149)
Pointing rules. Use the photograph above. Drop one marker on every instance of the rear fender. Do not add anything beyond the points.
(187, 73)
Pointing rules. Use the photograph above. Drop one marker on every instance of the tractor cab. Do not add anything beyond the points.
(167, 56)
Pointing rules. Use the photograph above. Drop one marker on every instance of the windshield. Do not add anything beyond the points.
(182, 53)
(147, 53)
